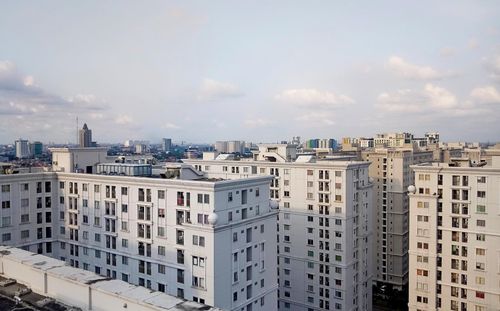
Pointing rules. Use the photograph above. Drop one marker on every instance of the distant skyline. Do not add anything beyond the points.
(248, 70)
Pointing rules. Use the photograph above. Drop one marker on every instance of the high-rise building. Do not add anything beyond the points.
(232, 146)
(36, 149)
(391, 174)
(455, 236)
(325, 225)
(221, 146)
(85, 137)
(166, 144)
(235, 146)
(22, 148)
(210, 241)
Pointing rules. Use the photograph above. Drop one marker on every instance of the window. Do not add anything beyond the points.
(480, 237)
(25, 234)
(422, 218)
(124, 243)
(199, 240)
(481, 209)
(161, 250)
(6, 237)
(481, 194)
(124, 208)
(161, 194)
(161, 269)
(481, 223)
(6, 221)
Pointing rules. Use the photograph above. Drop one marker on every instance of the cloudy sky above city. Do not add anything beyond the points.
(253, 70)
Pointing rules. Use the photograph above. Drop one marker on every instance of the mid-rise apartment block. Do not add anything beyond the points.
(455, 236)
(391, 174)
(210, 241)
(325, 225)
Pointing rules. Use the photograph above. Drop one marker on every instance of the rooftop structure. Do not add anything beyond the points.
(68, 288)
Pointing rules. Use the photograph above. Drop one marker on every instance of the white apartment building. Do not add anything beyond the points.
(391, 174)
(455, 237)
(210, 241)
(22, 148)
(325, 226)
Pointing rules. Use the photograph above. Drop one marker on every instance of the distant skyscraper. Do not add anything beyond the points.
(36, 148)
(85, 137)
(22, 149)
(166, 144)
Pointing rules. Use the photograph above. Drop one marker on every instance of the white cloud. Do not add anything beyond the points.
(431, 98)
(82, 98)
(123, 119)
(438, 101)
(473, 44)
(493, 66)
(170, 126)
(400, 101)
(96, 116)
(315, 119)
(485, 95)
(29, 81)
(313, 98)
(212, 89)
(447, 52)
(407, 70)
(252, 123)
(440, 98)
(218, 124)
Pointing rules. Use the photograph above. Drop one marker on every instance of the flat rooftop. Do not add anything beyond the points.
(22, 269)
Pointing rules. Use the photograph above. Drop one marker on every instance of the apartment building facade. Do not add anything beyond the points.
(455, 237)
(325, 228)
(391, 174)
(182, 237)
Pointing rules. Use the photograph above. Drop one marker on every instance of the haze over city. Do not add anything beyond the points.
(256, 71)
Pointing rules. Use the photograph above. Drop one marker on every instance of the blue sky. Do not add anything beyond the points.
(202, 71)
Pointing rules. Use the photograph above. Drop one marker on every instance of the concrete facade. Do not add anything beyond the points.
(175, 236)
(455, 237)
(325, 228)
(391, 174)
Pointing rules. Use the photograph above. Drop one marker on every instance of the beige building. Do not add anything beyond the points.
(391, 174)
(455, 236)
(325, 225)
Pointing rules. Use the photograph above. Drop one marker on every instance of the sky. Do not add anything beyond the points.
(260, 71)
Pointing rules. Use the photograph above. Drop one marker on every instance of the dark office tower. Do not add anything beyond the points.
(85, 137)
(166, 144)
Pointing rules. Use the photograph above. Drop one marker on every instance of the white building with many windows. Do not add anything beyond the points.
(325, 233)
(208, 240)
(455, 236)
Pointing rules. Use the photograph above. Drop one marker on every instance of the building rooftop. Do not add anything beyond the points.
(29, 268)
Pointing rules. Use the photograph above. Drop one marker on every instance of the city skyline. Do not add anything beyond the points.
(256, 72)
